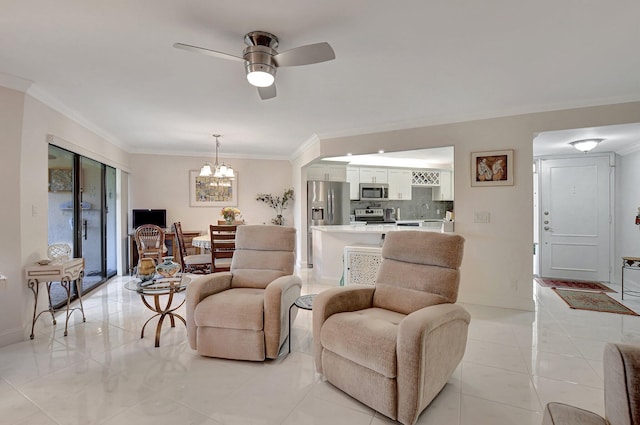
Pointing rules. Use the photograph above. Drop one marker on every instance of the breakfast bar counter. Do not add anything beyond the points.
(329, 243)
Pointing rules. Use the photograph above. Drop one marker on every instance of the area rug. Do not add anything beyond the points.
(595, 301)
(573, 284)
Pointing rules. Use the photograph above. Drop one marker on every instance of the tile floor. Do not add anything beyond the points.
(103, 373)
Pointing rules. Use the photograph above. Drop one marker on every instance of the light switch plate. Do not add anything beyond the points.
(481, 217)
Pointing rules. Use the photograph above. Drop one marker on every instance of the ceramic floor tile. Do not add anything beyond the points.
(109, 375)
(160, 411)
(496, 355)
(565, 368)
(476, 411)
(85, 393)
(316, 411)
(588, 398)
(494, 384)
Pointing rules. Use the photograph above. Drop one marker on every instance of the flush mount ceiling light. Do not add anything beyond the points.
(221, 174)
(585, 145)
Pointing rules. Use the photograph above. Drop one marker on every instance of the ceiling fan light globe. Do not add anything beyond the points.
(260, 78)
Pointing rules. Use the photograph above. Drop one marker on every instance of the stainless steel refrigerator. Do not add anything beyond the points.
(327, 204)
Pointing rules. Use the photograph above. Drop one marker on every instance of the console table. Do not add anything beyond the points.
(629, 263)
(63, 271)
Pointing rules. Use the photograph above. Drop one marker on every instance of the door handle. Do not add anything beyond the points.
(84, 226)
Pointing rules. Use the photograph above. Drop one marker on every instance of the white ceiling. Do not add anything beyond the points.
(112, 66)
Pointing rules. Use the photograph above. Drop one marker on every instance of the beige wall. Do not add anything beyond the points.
(11, 116)
(498, 261)
(158, 181)
(26, 133)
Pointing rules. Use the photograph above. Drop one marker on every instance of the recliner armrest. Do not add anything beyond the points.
(278, 296)
(337, 300)
(197, 290)
(431, 343)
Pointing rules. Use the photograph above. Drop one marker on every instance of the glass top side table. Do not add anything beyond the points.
(154, 289)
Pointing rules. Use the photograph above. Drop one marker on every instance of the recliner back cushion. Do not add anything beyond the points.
(262, 254)
(418, 269)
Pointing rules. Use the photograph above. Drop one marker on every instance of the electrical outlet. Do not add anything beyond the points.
(481, 217)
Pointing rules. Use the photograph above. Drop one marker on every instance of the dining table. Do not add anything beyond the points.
(202, 242)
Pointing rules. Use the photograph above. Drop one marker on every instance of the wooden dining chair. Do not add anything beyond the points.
(150, 242)
(223, 243)
(190, 262)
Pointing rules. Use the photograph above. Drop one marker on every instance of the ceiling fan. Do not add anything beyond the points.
(261, 59)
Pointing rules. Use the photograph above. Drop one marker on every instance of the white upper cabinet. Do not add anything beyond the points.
(353, 177)
(444, 192)
(399, 184)
(327, 172)
(373, 175)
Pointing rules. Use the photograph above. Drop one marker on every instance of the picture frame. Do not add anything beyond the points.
(492, 168)
(204, 193)
(60, 180)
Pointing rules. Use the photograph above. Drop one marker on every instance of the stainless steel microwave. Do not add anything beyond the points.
(374, 192)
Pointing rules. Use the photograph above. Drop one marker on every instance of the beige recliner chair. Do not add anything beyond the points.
(243, 314)
(621, 393)
(394, 346)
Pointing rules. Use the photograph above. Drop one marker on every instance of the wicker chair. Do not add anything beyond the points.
(150, 242)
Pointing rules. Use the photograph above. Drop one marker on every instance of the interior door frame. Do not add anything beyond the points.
(612, 204)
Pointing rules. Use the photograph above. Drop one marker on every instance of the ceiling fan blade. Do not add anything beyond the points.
(267, 92)
(209, 52)
(305, 55)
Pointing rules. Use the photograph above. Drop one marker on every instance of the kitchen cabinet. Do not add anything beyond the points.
(430, 178)
(353, 177)
(444, 192)
(399, 184)
(327, 172)
(373, 175)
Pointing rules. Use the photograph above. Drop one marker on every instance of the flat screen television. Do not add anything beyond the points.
(157, 217)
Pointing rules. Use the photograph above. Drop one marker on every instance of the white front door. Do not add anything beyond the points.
(575, 218)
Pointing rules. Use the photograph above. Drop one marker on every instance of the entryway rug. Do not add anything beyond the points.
(595, 301)
(573, 284)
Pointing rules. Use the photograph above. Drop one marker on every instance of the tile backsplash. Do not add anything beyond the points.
(420, 206)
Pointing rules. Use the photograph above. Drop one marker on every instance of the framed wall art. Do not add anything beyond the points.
(492, 168)
(208, 192)
(60, 180)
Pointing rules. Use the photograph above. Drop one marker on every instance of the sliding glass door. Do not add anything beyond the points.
(82, 213)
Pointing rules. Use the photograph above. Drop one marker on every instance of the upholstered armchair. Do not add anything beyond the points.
(621, 365)
(243, 314)
(394, 346)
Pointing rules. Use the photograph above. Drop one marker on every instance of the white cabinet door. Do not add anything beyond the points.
(353, 177)
(444, 192)
(373, 175)
(399, 184)
(336, 173)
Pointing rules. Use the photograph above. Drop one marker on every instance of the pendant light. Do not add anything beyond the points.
(221, 174)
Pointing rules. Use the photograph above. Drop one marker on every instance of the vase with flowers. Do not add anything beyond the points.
(278, 203)
(230, 214)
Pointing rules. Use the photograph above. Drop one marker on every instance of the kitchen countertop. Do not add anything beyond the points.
(371, 228)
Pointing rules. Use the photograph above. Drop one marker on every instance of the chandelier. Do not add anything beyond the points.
(220, 174)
